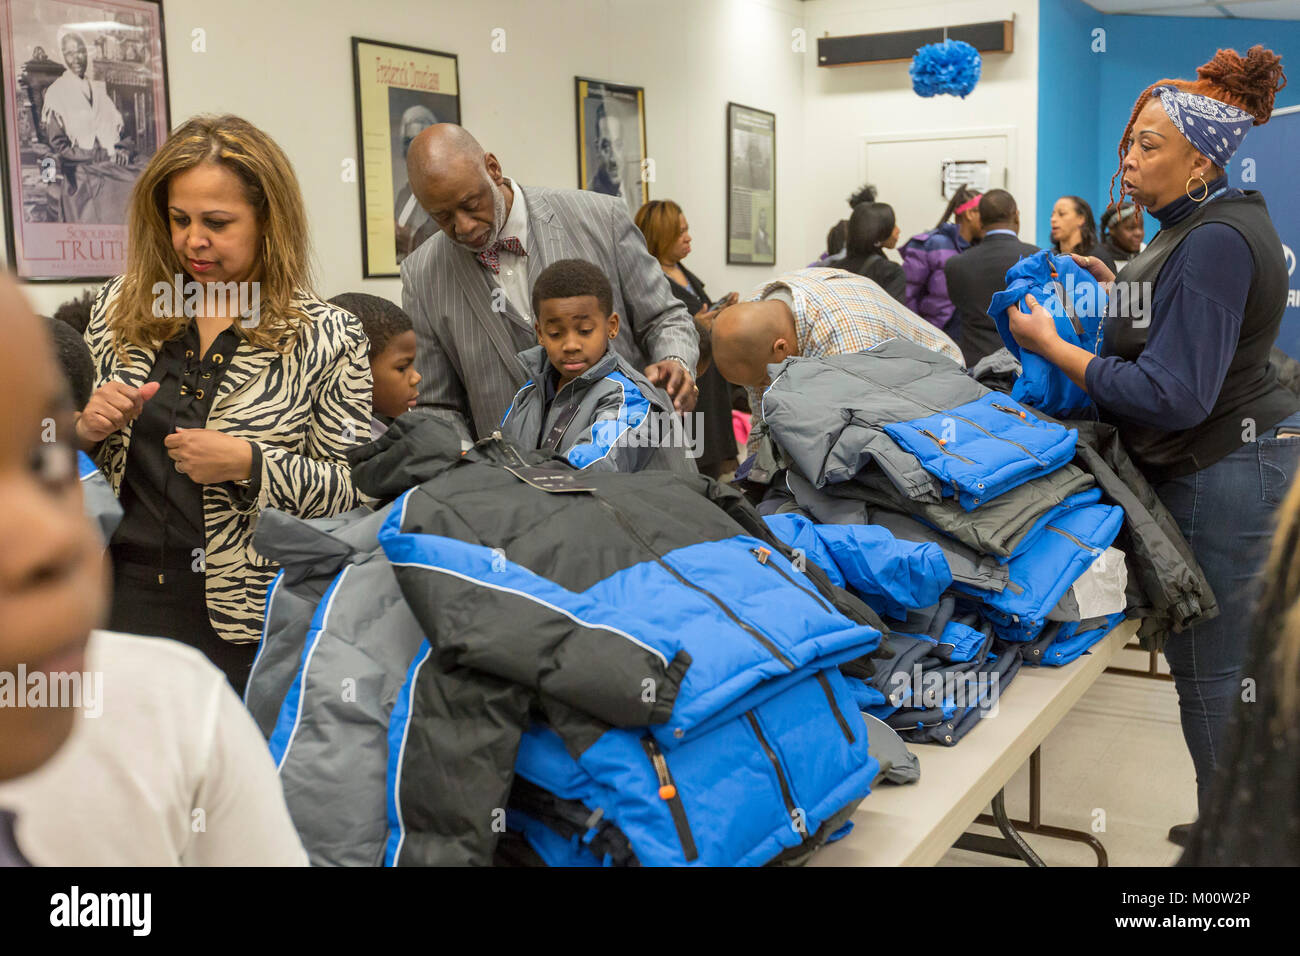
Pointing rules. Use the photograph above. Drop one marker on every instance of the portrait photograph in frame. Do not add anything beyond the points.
(399, 91)
(751, 186)
(85, 108)
(611, 141)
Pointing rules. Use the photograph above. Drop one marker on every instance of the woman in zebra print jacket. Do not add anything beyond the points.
(224, 385)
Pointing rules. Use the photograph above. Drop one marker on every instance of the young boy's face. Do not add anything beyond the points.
(575, 333)
(396, 380)
(53, 581)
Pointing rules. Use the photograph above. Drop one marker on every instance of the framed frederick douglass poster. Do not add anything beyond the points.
(400, 91)
(85, 107)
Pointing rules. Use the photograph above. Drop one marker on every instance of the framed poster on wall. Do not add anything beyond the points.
(611, 141)
(85, 107)
(400, 91)
(751, 186)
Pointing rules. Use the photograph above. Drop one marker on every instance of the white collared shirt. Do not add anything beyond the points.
(513, 277)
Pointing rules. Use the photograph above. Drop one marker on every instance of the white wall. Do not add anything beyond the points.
(842, 105)
(286, 65)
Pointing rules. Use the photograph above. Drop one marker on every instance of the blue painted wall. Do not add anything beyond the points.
(1084, 98)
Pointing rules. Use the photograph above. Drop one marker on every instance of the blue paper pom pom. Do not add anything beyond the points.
(952, 67)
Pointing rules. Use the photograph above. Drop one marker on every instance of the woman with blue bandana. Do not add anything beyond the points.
(1183, 369)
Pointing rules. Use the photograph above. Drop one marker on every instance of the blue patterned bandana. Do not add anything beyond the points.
(1213, 127)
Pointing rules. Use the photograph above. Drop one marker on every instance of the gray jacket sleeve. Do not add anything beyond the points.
(442, 395)
(657, 318)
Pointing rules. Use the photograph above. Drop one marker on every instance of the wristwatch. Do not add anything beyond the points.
(680, 361)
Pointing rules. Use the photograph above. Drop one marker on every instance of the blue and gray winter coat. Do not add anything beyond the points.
(916, 416)
(638, 614)
(609, 418)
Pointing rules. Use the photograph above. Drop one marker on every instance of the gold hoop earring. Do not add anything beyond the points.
(1187, 188)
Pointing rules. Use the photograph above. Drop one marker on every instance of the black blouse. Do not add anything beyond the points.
(162, 521)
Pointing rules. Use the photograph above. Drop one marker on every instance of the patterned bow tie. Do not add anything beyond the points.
(489, 256)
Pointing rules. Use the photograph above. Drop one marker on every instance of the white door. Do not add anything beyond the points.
(907, 170)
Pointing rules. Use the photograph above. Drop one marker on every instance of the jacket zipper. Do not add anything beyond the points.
(791, 810)
(669, 795)
(938, 441)
(830, 699)
(762, 554)
(1066, 305)
(1013, 411)
(1087, 547)
(998, 437)
(753, 632)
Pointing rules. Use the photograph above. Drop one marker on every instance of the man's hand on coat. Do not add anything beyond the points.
(676, 381)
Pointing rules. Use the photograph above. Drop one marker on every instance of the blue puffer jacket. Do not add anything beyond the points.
(889, 574)
(1064, 642)
(1043, 573)
(1077, 303)
(744, 793)
(984, 448)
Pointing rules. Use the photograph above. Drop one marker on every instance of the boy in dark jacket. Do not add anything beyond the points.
(392, 357)
(582, 399)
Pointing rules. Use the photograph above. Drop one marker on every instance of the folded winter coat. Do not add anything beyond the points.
(1077, 304)
(942, 697)
(830, 417)
(654, 601)
(1167, 589)
(310, 553)
(1062, 643)
(337, 646)
(989, 684)
(1041, 575)
(845, 505)
(609, 418)
(889, 574)
(996, 528)
(102, 506)
(744, 793)
(984, 448)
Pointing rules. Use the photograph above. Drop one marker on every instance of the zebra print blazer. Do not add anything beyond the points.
(304, 409)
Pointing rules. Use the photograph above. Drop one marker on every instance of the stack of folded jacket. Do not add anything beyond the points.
(901, 439)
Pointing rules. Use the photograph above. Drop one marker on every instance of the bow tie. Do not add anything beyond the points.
(490, 258)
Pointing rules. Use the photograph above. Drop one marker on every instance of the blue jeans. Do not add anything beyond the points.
(1226, 512)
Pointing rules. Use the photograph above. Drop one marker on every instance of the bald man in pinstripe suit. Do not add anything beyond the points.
(468, 287)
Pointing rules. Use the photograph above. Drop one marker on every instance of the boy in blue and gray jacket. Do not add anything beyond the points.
(582, 398)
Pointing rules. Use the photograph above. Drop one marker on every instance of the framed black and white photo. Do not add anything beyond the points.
(751, 186)
(85, 107)
(611, 141)
(400, 91)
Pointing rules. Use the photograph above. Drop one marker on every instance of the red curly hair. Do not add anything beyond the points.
(1249, 83)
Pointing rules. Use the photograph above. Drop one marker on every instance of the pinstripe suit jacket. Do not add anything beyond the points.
(467, 353)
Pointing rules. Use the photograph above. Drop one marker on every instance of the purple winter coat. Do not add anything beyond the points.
(923, 259)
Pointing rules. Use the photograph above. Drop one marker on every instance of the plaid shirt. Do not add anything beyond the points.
(837, 313)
